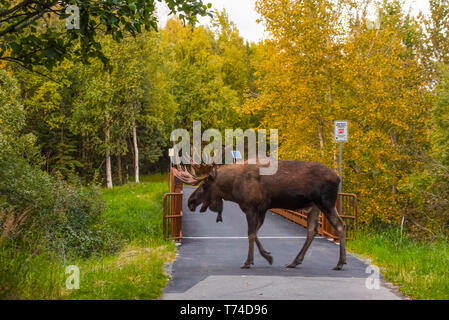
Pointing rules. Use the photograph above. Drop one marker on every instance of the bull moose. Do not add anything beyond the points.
(296, 185)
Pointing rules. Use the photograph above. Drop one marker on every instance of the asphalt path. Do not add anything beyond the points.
(209, 259)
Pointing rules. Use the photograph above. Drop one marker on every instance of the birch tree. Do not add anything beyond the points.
(321, 65)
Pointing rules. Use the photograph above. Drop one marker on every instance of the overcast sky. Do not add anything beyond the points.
(244, 15)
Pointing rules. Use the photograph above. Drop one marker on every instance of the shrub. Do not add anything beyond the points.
(61, 216)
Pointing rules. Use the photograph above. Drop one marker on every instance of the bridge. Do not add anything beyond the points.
(210, 255)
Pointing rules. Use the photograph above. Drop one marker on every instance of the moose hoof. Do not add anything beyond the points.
(291, 265)
(338, 267)
(247, 265)
(269, 258)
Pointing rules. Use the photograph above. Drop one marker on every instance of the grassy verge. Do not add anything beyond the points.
(135, 273)
(29, 276)
(419, 268)
(134, 218)
(135, 213)
(135, 210)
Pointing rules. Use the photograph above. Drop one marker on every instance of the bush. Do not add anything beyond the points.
(37, 209)
(78, 226)
(52, 213)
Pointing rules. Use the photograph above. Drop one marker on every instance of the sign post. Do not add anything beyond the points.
(341, 135)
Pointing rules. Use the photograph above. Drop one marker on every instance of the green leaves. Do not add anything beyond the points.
(12, 122)
(205, 86)
(25, 36)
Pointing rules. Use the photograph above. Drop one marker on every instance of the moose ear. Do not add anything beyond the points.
(213, 172)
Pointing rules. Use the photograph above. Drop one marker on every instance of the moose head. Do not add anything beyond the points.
(207, 193)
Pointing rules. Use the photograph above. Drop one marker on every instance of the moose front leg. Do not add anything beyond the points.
(251, 218)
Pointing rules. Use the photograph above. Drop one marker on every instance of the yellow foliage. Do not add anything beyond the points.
(321, 64)
(3, 62)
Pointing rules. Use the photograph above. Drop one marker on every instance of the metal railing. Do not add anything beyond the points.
(347, 209)
(172, 223)
(172, 220)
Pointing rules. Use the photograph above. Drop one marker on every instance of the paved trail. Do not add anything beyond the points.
(209, 260)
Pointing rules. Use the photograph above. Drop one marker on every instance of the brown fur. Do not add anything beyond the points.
(296, 185)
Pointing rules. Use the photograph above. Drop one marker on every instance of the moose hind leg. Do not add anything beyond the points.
(312, 226)
(262, 250)
(251, 217)
(339, 225)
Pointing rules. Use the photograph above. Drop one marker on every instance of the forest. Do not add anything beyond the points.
(82, 110)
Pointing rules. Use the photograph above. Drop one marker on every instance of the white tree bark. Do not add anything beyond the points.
(136, 153)
(321, 139)
(108, 155)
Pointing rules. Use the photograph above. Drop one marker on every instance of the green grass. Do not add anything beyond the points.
(29, 276)
(134, 215)
(135, 273)
(135, 210)
(418, 268)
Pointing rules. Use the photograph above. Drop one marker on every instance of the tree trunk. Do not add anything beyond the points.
(136, 152)
(335, 157)
(119, 167)
(321, 138)
(108, 155)
(336, 166)
(83, 150)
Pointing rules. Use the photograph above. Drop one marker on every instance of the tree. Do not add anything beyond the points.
(302, 69)
(233, 51)
(48, 111)
(436, 25)
(134, 97)
(96, 120)
(31, 35)
(197, 77)
(94, 111)
(321, 65)
(141, 88)
(68, 115)
(12, 122)
(386, 99)
(428, 186)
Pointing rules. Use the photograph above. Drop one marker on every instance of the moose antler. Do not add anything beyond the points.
(187, 177)
(198, 172)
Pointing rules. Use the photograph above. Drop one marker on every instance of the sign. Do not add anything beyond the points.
(236, 154)
(341, 131)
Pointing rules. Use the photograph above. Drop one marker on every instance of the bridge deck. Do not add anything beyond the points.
(209, 260)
